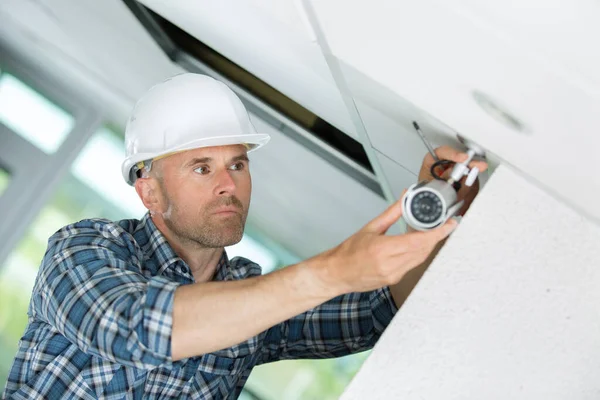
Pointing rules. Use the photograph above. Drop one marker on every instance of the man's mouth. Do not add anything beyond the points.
(227, 210)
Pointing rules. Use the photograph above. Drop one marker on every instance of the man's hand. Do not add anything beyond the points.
(369, 259)
(465, 193)
(402, 289)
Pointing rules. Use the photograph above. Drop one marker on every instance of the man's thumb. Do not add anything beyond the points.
(385, 220)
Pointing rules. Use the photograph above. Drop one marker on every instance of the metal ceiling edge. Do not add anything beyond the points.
(338, 77)
(153, 28)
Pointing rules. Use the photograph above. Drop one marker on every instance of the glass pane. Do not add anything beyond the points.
(98, 166)
(253, 250)
(305, 379)
(4, 180)
(32, 116)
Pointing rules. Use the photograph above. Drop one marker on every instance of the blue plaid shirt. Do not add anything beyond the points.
(100, 322)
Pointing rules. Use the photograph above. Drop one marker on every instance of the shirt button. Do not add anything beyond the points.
(231, 367)
(184, 270)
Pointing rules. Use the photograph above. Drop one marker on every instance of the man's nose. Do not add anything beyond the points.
(225, 183)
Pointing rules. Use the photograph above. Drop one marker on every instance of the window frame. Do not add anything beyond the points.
(34, 175)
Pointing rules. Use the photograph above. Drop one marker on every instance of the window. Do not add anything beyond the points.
(253, 250)
(98, 167)
(305, 379)
(32, 116)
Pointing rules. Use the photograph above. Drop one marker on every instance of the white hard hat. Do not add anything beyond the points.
(186, 112)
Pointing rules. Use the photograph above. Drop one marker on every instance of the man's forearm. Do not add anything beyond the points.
(215, 315)
(403, 289)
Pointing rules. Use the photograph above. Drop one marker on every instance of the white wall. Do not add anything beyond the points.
(510, 309)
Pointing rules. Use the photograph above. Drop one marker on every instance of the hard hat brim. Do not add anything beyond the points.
(255, 141)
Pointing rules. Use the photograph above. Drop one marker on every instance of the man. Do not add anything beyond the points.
(154, 309)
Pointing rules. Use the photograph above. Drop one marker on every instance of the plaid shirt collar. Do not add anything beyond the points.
(159, 255)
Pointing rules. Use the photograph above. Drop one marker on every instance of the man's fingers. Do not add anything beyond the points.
(418, 241)
(428, 239)
(440, 233)
(452, 154)
(481, 165)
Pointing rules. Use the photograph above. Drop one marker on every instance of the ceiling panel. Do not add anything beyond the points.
(399, 178)
(500, 95)
(268, 39)
(388, 120)
(563, 34)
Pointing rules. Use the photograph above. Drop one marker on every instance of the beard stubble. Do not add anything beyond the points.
(206, 228)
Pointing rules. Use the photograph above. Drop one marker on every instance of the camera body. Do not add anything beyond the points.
(428, 205)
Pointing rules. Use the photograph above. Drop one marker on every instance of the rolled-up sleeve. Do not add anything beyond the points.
(91, 290)
(344, 325)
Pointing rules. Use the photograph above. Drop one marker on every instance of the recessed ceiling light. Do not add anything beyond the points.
(499, 113)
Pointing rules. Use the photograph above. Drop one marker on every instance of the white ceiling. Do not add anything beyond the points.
(268, 39)
(101, 45)
(471, 64)
(102, 51)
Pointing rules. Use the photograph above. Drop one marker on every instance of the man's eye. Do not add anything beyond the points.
(202, 170)
(237, 166)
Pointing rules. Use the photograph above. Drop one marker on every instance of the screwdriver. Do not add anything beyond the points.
(427, 144)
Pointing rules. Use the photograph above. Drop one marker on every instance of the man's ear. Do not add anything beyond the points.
(149, 192)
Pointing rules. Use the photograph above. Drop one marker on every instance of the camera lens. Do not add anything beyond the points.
(426, 207)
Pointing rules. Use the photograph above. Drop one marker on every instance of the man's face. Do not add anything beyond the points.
(205, 194)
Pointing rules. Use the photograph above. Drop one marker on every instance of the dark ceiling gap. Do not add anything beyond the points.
(173, 39)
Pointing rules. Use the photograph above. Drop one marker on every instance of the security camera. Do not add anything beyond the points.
(428, 205)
